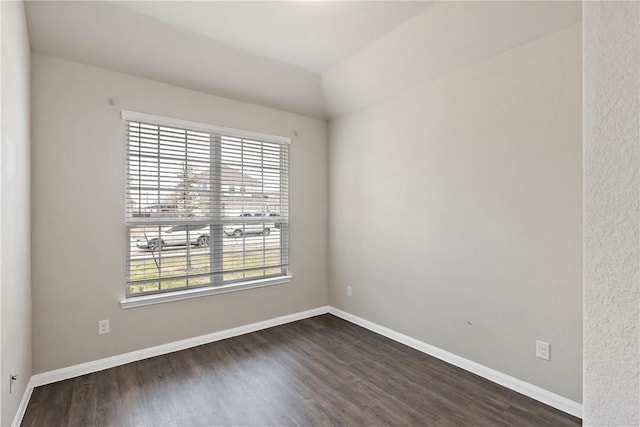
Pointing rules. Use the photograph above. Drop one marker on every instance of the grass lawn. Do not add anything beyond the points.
(176, 265)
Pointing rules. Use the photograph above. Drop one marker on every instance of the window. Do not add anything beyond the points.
(186, 228)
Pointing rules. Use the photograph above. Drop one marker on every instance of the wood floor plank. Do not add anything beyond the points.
(321, 371)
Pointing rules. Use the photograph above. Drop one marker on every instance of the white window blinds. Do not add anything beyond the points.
(205, 206)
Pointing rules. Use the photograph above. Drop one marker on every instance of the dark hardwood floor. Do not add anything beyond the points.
(318, 371)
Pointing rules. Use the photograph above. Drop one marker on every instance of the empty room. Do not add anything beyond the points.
(320, 213)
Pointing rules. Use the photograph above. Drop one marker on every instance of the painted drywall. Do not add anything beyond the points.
(456, 212)
(611, 214)
(446, 36)
(15, 268)
(78, 215)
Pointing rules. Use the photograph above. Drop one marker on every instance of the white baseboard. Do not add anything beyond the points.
(134, 356)
(537, 393)
(522, 387)
(22, 408)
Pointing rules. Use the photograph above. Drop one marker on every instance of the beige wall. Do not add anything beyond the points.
(78, 215)
(461, 200)
(611, 214)
(15, 210)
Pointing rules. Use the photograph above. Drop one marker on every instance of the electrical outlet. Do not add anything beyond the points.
(103, 327)
(348, 291)
(543, 350)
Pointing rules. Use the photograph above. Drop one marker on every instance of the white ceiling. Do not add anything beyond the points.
(267, 53)
(317, 58)
(313, 35)
(448, 36)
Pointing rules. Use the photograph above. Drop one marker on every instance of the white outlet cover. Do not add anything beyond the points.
(543, 350)
(103, 327)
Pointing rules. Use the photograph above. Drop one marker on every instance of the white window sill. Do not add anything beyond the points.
(201, 292)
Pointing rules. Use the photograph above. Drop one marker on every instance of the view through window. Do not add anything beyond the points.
(204, 207)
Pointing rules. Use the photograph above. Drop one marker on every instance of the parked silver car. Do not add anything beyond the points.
(239, 230)
(260, 229)
(199, 235)
(174, 236)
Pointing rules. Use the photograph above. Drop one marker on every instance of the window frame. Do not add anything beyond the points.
(217, 286)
